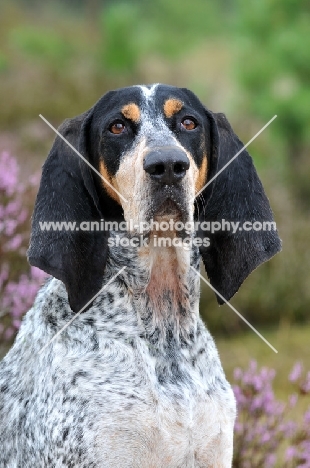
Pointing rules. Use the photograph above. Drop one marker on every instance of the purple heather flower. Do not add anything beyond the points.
(8, 174)
(305, 387)
(270, 460)
(293, 400)
(291, 453)
(14, 243)
(307, 419)
(263, 422)
(17, 288)
(296, 372)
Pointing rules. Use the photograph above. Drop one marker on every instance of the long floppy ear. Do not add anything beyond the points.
(235, 195)
(67, 194)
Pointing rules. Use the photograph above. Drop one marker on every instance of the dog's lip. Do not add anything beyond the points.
(168, 208)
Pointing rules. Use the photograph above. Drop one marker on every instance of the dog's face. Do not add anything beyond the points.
(152, 148)
(152, 145)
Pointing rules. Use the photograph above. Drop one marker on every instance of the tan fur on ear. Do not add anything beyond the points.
(132, 112)
(202, 174)
(172, 106)
(104, 172)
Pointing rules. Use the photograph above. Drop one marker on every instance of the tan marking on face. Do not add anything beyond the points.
(172, 106)
(104, 172)
(189, 182)
(202, 174)
(131, 180)
(131, 111)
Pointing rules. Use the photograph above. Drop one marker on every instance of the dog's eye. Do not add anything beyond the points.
(188, 124)
(117, 127)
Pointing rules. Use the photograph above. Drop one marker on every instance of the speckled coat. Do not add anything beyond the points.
(116, 389)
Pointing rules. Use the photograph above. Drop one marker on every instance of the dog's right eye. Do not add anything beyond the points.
(117, 127)
(188, 124)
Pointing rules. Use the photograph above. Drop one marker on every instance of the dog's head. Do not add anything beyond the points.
(150, 150)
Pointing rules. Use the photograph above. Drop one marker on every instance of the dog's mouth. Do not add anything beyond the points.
(169, 219)
(168, 209)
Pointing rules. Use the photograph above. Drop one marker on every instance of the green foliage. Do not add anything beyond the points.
(132, 30)
(42, 44)
(274, 70)
(3, 62)
(274, 65)
(119, 25)
(180, 26)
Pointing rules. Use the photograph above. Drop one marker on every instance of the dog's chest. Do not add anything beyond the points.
(108, 396)
(161, 433)
(152, 410)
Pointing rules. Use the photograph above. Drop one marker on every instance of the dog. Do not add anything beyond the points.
(134, 379)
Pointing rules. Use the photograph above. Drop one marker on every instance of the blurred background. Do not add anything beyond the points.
(249, 60)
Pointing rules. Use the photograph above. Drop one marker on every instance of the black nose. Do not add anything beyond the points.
(166, 165)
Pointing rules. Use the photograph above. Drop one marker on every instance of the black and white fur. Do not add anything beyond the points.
(135, 381)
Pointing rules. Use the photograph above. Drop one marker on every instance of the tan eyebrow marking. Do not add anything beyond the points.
(131, 111)
(202, 174)
(172, 106)
(104, 172)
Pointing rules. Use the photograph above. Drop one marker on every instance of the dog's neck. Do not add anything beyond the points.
(162, 281)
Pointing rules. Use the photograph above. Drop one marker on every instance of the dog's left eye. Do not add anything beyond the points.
(188, 124)
(117, 127)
